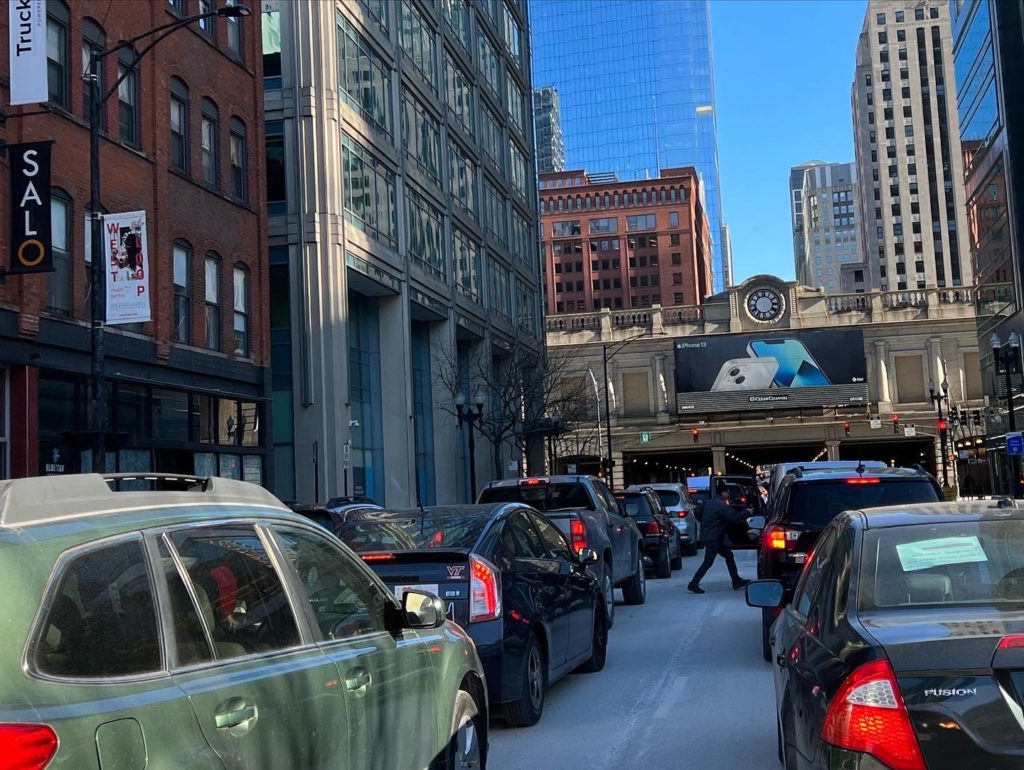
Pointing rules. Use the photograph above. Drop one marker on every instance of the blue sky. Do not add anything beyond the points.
(783, 70)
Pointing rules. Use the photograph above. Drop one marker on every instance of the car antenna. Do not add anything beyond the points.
(860, 468)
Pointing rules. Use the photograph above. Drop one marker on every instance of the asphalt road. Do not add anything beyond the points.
(684, 687)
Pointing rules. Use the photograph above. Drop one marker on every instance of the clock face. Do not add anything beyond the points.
(764, 305)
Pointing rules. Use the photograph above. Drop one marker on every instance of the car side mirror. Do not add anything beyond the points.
(422, 610)
(766, 594)
(757, 523)
(588, 556)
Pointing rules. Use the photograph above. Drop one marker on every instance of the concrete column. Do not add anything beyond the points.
(882, 372)
(833, 449)
(399, 435)
(448, 471)
(718, 458)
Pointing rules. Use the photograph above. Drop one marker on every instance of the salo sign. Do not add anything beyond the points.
(28, 51)
(30, 208)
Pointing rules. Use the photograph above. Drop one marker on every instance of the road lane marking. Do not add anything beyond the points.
(672, 697)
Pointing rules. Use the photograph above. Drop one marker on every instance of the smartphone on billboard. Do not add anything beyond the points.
(797, 367)
(746, 374)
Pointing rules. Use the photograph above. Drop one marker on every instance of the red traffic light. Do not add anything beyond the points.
(895, 418)
(940, 424)
(695, 432)
(846, 428)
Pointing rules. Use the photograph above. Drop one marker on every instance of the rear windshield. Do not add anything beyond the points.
(412, 533)
(668, 497)
(816, 504)
(635, 506)
(946, 563)
(699, 496)
(549, 497)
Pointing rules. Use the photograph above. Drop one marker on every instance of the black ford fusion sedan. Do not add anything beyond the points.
(508, 576)
(903, 647)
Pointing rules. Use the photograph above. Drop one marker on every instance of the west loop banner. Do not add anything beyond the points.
(27, 44)
(30, 208)
(127, 255)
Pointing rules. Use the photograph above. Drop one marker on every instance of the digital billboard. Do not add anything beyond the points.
(780, 370)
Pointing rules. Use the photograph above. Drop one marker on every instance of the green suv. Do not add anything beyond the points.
(197, 623)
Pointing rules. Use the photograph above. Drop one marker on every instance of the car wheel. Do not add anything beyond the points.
(527, 710)
(663, 569)
(677, 561)
(464, 749)
(766, 627)
(609, 594)
(598, 645)
(635, 589)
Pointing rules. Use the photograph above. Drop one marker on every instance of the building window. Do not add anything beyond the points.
(209, 142)
(58, 283)
(179, 125)
(518, 171)
(128, 98)
(513, 37)
(516, 105)
(899, 16)
(488, 64)
(425, 225)
(94, 41)
(495, 209)
(491, 139)
(417, 39)
(177, 6)
(241, 307)
(640, 222)
(235, 37)
(501, 290)
(239, 160)
(182, 317)
(463, 177)
(467, 265)
(378, 10)
(673, 219)
(58, 20)
(212, 296)
(521, 238)
(421, 135)
(364, 78)
(369, 186)
(919, 14)
(271, 29)
(456, 13)
(880, 18)
(460, 94)
(277, 182)
(206, 25)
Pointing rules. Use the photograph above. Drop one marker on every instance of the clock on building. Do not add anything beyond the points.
(764, 305)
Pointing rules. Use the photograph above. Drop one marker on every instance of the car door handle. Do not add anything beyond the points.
(235, 713)
(358, 680)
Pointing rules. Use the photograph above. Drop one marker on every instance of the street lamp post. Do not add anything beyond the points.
(97, 283)
(937, 399)
(468, 416)
(1009, 357)
(615, 348)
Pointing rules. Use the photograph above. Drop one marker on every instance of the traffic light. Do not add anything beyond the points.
(846, 428)
(695, 432)
(976, 417)
(895, 423)
(940, 425)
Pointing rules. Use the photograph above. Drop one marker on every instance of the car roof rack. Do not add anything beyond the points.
(45, 499)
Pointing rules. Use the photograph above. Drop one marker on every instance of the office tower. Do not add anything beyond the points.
(643, 98)
(828, 229)
(402, 220)
(796, 209)
(726, 240)
(547, 120)
(624, 245)
(906, 136)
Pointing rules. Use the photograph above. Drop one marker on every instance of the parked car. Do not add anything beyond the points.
(680, 506)
(586, 511)
(807, 501)
(509, 577)
(332, 514)
(213, 628)
(661, 538)
(781, 470)
(904, 644)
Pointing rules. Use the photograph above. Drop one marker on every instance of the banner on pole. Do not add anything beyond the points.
(30, 208)
(127, 260)
(27, 43)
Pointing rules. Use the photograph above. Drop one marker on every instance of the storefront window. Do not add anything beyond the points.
(207, 419)
(250, 423)
(170, 415)
(230, 466)
(132, 407)
(227, 421)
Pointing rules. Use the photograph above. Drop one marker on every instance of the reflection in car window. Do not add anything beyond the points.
(189, 638)
(344, 601)
(391, 532)
(668, 497)
(240, 595)
(807, 589)
(554, 540)
(519, 538)
(101, 621)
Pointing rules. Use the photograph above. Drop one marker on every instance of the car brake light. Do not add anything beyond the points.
(376, 556)
(1014, 642)
(484, 590)
(868, 715)
(578, 535)
(27, 747)
(653, 528)
(862, 481)
(533, 482)
(779, 538)
(682, 513)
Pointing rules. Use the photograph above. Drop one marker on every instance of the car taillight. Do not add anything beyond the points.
(682, 514)
(868, 715)
(27, 747)
(484, 590)
(779, 538)
(653, 528)
(578, 535)
(1014, 642)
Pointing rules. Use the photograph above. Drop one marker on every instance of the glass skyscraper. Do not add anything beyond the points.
(637, 90)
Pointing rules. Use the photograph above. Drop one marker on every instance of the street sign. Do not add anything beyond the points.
(571, 469)
(909, 431)
(1014, 444)
(876, 423)
(645, 437)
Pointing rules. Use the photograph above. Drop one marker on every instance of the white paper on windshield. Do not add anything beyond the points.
(940, 552)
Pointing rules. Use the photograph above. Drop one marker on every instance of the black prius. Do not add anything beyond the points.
(903, 647)
(509, 577)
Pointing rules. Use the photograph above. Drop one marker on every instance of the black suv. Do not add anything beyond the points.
(805, 504)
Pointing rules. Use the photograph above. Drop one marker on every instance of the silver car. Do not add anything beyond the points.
(680, 506)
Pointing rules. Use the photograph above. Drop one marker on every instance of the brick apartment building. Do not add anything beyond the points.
(624, 245)
(183, 141)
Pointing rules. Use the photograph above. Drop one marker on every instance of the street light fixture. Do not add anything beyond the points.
(469, 416)
(98, 400)
(1009, 357)
(937, 399)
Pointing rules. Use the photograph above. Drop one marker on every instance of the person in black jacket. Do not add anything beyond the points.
(717, 515)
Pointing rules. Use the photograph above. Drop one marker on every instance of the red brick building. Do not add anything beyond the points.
(624, 245)
(183, 141)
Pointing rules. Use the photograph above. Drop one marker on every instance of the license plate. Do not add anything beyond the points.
(798, 558)
(430, 588)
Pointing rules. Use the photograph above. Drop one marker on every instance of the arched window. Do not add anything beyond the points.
(58, 22)
(179, 125)
(182, 331)
(239, 150)
(58, 283)
(210, 124)
(212, 295)
(241, 309)
(94, 41)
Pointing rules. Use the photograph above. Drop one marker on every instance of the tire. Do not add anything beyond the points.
(663, 568)
(598, 645)
(766, 626)
(634, 591)
(528, 709)
(608, 590)
(464, 749)
(677, 562)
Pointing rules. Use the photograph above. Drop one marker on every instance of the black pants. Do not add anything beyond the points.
(711, 550)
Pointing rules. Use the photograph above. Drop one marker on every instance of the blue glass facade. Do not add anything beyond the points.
(640, 96)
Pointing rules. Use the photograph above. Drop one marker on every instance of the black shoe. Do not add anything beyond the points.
(693, 588)
(738, 584)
